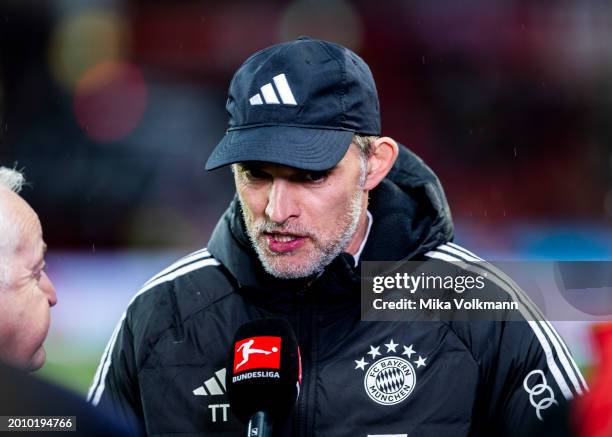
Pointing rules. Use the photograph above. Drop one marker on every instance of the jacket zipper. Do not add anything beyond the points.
(305, 340)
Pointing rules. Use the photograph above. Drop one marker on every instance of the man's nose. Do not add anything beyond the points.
(282, 202)
(48, 288)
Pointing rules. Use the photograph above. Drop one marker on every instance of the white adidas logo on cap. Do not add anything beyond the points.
(269, 95)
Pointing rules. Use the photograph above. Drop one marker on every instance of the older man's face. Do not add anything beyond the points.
(299, 221)
(27, 295)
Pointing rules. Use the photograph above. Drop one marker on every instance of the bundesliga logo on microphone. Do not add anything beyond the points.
(263, 381)
(263, 352)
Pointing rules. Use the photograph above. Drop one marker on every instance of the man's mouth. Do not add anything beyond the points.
(284, 242)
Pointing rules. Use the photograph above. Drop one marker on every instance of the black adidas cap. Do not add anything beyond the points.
(298, 104)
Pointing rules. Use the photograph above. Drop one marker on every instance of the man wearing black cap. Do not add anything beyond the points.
(318, 191)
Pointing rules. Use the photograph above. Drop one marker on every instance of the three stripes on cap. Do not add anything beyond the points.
(269, 95)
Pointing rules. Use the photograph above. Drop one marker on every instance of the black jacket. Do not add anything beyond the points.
(165, 363)
(22, 394)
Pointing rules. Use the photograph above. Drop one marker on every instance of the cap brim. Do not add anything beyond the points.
(304, 148)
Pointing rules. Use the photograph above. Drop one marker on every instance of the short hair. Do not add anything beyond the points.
(13, 180)
(365, 143)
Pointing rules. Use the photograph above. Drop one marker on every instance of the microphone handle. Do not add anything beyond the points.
(259, 425)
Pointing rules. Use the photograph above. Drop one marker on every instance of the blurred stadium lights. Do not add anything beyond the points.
(110, 100)
(83, 38)
(585, 49)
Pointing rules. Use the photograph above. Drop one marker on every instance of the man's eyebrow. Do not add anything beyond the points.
(325, 172)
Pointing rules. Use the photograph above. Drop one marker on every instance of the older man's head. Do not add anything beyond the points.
(26, 293)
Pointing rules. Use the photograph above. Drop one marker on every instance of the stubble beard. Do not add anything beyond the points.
(324, 249)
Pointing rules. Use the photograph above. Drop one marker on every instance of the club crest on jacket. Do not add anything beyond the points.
(390, 379)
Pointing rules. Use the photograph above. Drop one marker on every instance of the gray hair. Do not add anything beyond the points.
(13, 180)
(365, 144)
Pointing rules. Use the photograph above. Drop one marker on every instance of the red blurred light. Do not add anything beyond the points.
(110, 100)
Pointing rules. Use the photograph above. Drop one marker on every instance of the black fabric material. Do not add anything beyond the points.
(22, 394)
(333, 96)
(173, 343)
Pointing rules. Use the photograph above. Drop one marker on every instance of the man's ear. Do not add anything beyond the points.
(383, 156)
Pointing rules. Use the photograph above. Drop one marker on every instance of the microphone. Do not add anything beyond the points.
(266, 373)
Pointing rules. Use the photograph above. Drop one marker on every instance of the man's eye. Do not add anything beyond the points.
(316, 176)
(256, 174)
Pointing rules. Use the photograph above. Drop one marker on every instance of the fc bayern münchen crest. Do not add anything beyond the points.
(390, 379)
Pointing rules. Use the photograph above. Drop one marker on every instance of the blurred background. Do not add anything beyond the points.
(112, 108)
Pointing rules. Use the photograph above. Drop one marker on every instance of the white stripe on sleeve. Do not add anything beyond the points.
(97, 388)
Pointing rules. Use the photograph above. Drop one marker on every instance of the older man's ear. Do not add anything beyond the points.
(384, 154)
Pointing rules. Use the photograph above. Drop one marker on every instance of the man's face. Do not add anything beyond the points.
(27, 295)
(299, 221)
